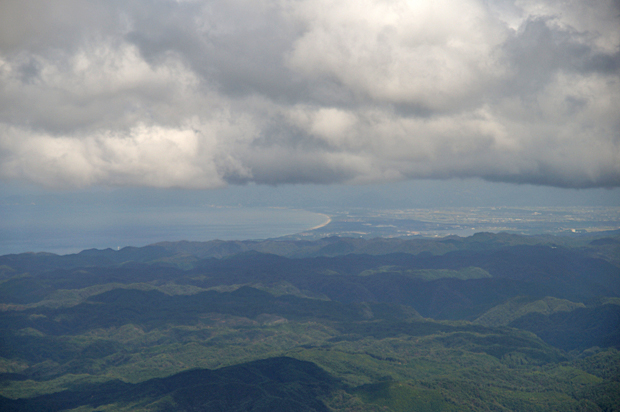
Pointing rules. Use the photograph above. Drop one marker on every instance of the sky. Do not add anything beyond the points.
(209, 94)
(109, 108)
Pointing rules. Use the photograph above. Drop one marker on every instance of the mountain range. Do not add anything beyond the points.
(487, 322)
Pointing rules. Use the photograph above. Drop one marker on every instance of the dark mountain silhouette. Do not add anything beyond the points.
(275, 384)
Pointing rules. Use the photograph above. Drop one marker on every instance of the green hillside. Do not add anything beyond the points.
(504, 314)
(505, 326)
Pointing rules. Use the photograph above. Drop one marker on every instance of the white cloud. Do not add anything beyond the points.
(204, 94)
(438, 55)
(152, 156)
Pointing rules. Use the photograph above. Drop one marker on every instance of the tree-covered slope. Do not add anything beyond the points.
(490, 322)
(271, 385)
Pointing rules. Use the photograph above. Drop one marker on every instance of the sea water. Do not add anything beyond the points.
(66, 228)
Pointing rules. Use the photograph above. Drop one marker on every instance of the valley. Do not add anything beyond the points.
(487, 322)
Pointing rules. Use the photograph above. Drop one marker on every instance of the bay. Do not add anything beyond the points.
(64, 229)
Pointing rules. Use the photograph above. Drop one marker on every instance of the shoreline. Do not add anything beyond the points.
(327, 222)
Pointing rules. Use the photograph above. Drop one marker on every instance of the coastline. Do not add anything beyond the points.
(327, 222)
(137, 228)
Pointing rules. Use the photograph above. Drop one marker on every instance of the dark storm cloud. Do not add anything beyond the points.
(538, 51)
(207, 93)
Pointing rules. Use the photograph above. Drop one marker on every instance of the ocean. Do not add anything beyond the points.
(64, 229)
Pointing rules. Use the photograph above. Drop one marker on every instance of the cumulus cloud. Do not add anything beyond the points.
(202, 94)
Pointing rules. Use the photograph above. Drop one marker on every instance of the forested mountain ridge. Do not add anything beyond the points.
(513, 322)
(185, 254)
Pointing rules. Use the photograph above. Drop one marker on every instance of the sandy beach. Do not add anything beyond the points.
(327, 222)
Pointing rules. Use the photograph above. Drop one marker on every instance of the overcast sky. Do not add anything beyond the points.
(205, 94)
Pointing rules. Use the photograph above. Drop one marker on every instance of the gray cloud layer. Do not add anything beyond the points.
(201, 94)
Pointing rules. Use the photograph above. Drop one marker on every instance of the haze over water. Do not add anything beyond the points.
(70, 229)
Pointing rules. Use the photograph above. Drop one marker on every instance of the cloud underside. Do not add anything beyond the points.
(204, 94)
